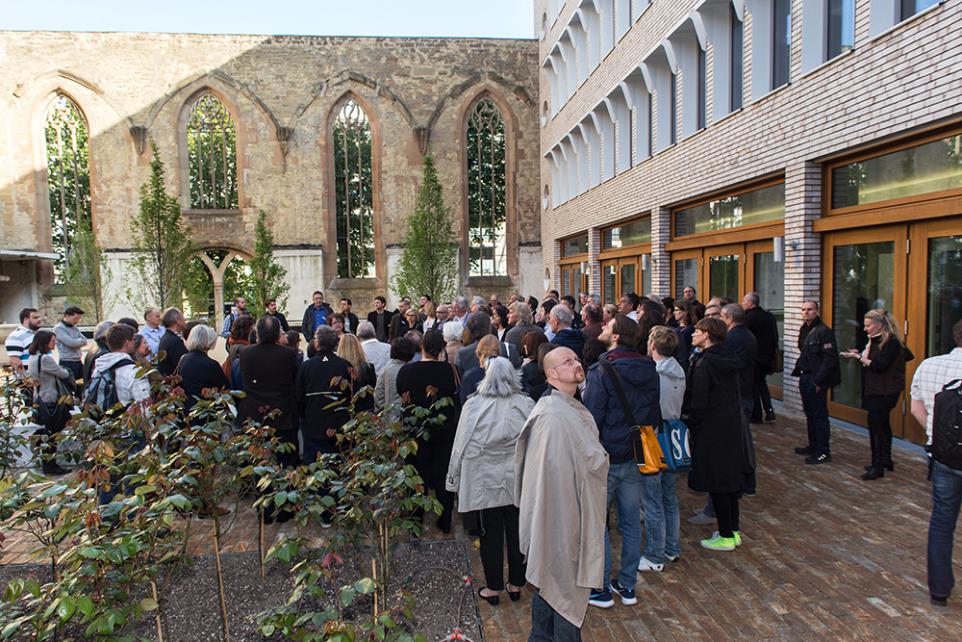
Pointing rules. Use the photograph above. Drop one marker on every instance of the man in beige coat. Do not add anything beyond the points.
(562, 472)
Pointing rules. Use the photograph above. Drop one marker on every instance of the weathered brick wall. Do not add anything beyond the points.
(906, 78)
(129, 80)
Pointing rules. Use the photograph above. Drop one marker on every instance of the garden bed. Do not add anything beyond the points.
(429, 571)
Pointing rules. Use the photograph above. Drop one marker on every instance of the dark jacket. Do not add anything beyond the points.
(885, 375)
(468, 359)
(270, 372)
(307, 321)
(818, 354)
(570, 338)
(640, 382)
(533, 381)
(516, 334)
(762, 324)
(367, 377)
(197, 372)
(425, 383)
(715, 422)
(382, 335)
(592, 330)
(173, 348)
(741, 343)
(351, 319)
(399, 326)
(323, 392)
(285, 326)
(470, 382)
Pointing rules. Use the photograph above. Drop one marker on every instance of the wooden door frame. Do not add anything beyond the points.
(681, 255)
(728, 249)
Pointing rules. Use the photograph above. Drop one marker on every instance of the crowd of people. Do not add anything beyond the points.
(539, 442)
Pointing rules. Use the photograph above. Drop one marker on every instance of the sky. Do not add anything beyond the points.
(453, 18)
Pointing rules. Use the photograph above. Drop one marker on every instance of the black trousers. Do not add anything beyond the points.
(762, 399)
(726, 511)
(500, 525)
(815, 404)
(879, 408)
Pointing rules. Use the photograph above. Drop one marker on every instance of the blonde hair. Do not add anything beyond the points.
(488, 346)
(890, 327)
(430, 310)
(350, 348)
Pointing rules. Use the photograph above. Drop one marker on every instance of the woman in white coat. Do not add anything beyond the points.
(482, 472)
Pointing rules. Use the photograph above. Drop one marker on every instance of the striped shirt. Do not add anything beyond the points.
(931, 375)
(17, 344)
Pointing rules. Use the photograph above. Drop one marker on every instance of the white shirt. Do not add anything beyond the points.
(378, 354)
(931, 375)
(17, 344)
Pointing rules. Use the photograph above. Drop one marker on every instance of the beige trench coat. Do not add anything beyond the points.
(561, 489)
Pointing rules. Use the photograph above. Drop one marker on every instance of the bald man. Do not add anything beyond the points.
(562, 472)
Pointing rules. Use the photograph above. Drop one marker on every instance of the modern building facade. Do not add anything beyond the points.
(806, 149)
(325, 135)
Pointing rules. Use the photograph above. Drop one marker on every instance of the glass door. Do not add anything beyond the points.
(863, 269)
(725, 272)
(766, 277)
(571, 279)
(685, 271)
(609, 281)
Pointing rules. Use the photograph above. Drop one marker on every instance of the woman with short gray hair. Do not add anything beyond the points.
(481, 471)
(198, 372)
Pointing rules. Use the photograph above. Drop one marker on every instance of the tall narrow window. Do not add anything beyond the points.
(781, 41)
(673, 110)
(702, 87)
(909, 8)
(68, 178)
(353, 191)
(841, 27)
(737, 65)
(211, 155)
(487, 191)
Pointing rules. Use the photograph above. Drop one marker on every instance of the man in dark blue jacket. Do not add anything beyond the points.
(623, 365)
(560, 319)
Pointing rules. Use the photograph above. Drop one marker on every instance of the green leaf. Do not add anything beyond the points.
(85, 605)
(148, 604)
(66, 608)
(53, 490)
(91, 553)
(347, 595)
(365, 586)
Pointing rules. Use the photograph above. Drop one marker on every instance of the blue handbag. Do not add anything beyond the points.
(674, 440)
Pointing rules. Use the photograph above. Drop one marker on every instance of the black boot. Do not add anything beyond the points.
(875, 470)
(886, 453)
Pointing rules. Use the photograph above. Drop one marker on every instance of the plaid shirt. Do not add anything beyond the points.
(931, 375)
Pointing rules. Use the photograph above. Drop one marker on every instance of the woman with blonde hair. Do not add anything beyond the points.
(430, 317)
(488, 346)
(362, 372)
(883, 379)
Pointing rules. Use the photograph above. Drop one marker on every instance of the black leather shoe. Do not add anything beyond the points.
(769, 416)
(824, 458)
(53, 468)
(804, 450)
(873, 473)
(939, 601)
(493, 600)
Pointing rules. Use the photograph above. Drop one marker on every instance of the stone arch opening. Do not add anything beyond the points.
(216, 276)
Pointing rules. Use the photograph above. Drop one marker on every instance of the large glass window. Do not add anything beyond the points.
(487, 191)
(575, 245)
(686, 273)
(353, 191)
(781, 41)
(770, 287)
(737, 58)
(908, 8)
(68, 179)
(723, 276)
(748, 208)
(211, 155)
(932, 167)
(627, 234)
(944, 293)
(841, 27)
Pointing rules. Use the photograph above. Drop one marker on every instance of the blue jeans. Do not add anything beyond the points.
(547, 625)
(661, 516)
(946, 499)
(624, 488)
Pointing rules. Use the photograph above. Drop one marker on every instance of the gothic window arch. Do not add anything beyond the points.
(487, 189)
(351, 143)
(211, 155)
(68, 178)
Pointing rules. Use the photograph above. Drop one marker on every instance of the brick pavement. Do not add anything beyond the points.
(825, 555)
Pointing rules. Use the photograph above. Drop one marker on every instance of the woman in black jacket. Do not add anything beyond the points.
(197, 370)
(532, 376)
(883, 359)
(714, 417)
(424, 383)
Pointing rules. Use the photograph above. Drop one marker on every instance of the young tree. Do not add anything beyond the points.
(267, 276)
(429, 263)
(162, 244)
(85, 273)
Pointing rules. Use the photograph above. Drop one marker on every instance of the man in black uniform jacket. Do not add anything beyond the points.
(762, 324)
(818, 371)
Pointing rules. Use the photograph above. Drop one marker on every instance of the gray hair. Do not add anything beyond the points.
(477, 300)
(452, 330)
(563, 314)
(150, 310)
(753, 298)
(365, 330)
(500, 379)
(101, 330)
(462, 301)
(523, 311)
(202, 337)
(734, 312)
(326, 338)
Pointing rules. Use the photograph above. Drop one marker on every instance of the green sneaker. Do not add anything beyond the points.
(737, 538)
(719, 543)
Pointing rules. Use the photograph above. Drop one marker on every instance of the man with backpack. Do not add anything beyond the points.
(937, 405)
(115, 379)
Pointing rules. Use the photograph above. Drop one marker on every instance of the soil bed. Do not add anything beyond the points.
(429, 571)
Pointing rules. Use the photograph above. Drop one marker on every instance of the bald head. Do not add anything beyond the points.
(563, 370)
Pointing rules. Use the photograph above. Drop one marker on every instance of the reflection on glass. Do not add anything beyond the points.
(863, 279)
(747, 208)
(841, 27)
(646, 281)
(571, 280)
(908, 8)
(633, 233)
(932, 167)
(628, 278)
(723, 276)
(944, 294)
(770, 287)
(686, 273)
(608, 283)
(575, 245)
